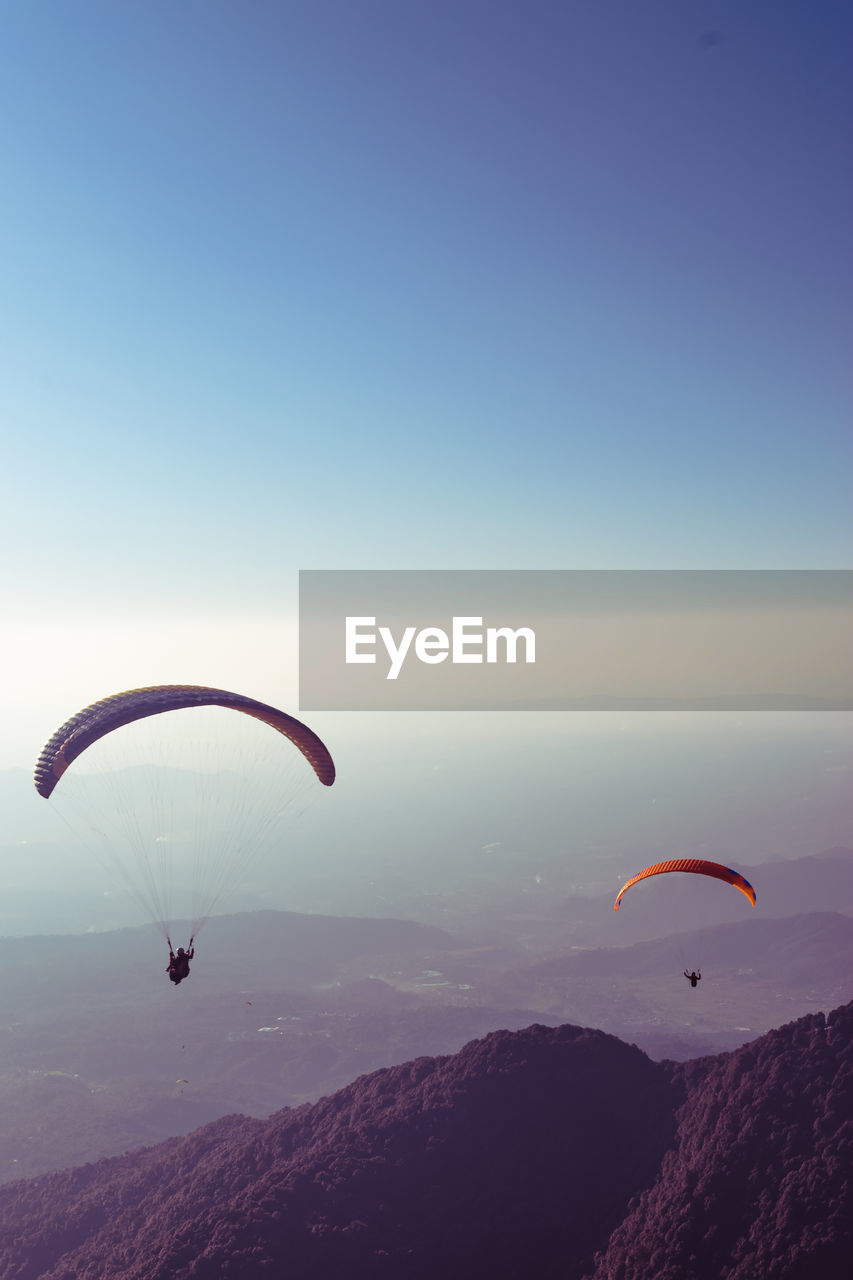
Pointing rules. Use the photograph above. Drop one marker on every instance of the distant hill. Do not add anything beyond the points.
(807, 950)
(555, 1152)
(278, 949)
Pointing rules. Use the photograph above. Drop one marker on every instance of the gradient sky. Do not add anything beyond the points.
(372, 284)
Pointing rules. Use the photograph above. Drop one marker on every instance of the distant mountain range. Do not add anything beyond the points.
(547, 1152)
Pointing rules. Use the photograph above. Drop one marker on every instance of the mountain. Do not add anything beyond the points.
(554, 1152)
(498, 1152)
(759, 1180)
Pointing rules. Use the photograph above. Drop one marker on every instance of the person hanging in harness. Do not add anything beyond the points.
(178, 967)
(693, 978)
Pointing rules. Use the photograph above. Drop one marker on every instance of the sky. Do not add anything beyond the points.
(376, 285)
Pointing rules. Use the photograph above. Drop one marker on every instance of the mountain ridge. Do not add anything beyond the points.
(549, 1151)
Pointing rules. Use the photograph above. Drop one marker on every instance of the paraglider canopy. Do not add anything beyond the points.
(179, 806)
(694, 866)
(93, 722)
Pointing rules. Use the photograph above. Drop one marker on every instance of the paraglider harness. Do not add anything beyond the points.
(178, 967)
(693, 978)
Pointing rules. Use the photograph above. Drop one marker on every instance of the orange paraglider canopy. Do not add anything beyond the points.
(695, 866)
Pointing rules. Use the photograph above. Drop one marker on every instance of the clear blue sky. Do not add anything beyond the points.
(432, 285)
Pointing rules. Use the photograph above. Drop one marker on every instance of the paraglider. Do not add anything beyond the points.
(178, 967)
(180, 805)
(695, 866)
